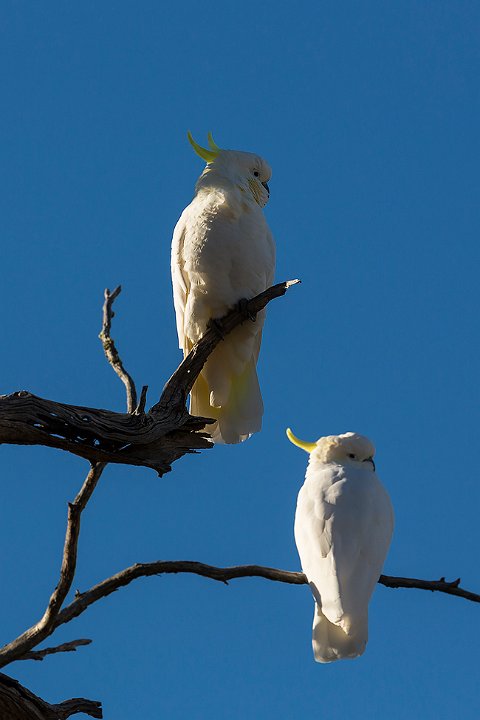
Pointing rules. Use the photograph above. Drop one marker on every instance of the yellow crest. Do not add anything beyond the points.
(207, 155)
(213, 145)
(308, 447)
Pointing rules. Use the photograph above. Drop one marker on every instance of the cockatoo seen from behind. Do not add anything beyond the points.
(223, 252)
(343, 528)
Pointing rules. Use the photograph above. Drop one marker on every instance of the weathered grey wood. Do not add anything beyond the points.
(139, 570)
(18, 703)
(110, 349)
(45, 626)
(70, 646)
(150, 440)
(154, 439)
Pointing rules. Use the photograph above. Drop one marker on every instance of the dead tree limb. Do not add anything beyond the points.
(176, 390)
(70, 646)
(83, 601)
(18, 703)
(134, 572)
(111, 352)
(111, 584)
(45, 626)
(441, 585)
(152, 439)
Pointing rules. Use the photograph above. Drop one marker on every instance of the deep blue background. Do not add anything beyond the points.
(369, 115)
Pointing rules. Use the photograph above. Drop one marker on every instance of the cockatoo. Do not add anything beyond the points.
(343, 528)
(223, 252)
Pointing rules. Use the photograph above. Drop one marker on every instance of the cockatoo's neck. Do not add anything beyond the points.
(315, 464)
(218, 176)
(215, 177)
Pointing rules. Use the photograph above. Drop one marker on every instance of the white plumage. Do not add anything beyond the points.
(222, 252)
(343, 528)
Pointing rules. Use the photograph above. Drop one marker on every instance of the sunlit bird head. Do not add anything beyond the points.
(249, 172)
(343, 449)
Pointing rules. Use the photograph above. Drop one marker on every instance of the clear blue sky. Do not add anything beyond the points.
(368, 113)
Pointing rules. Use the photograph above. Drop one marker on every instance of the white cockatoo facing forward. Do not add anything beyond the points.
(223, 252)
(343, 528)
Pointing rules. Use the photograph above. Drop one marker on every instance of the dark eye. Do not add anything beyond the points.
(256, 173)
(351, 455)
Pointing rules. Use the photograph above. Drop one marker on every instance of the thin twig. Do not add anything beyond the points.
(140, 409)
(111, 352)
(442, 585)
(45, 626)
(134, 572)
(64, 647)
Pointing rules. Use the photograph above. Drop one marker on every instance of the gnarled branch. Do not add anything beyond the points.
(179, 385)
(154, 439)
(45, 626)
(224, 575)
(18, 703)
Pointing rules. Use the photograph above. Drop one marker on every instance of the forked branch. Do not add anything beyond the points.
(45, 626)
(179, 385)
(152, 439)
(70, 646)
(225, 574)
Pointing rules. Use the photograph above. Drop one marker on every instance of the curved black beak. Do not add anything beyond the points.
(265, 185)
(370, 459)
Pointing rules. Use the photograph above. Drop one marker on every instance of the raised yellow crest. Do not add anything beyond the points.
(308, 447)
(207, 155)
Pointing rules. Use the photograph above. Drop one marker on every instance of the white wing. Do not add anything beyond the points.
(180, 280)
(343, 528)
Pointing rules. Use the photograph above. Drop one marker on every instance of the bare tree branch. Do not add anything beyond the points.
(111, 584)
(442, 585)
(44, 627)
(78, 705)
(177, 388)
(110, 349)
(18, 703)
(100, 435)
(139, 570)
(154, 439)
(70, 646)
(140, 409)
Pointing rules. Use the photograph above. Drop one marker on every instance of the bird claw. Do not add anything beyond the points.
(216, 325)
(243, 309)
